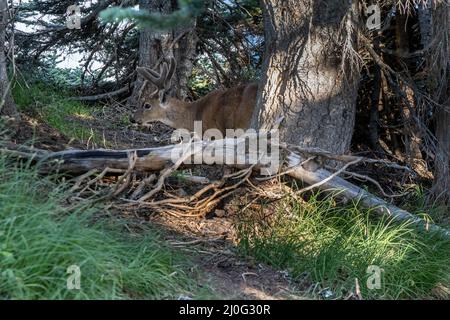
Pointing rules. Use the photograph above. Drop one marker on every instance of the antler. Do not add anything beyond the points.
(171, 70)
(162, 78)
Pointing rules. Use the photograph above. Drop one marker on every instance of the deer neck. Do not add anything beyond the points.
(182, 114)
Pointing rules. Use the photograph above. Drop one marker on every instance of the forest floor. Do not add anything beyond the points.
(209, 242)
(319, 258)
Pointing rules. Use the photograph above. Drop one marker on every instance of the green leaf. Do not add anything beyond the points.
(189, 9)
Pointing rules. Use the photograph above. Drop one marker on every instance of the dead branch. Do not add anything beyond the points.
(170, 158)
(119, 188)
(106, 95)
(187, 153)
(376, 183)
(329, 178)
(352, 192)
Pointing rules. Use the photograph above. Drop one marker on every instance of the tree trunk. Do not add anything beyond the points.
(440, 68)
(7, 105)
(375, 97)
(303, 79)
(425, 23)
(441, 187)
(154, 45)
(411, 133)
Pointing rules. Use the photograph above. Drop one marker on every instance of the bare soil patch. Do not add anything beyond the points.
(230, 275)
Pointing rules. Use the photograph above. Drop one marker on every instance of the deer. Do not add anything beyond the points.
(221, 109)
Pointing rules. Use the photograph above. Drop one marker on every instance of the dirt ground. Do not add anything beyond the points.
(228, 274)
(209, 241)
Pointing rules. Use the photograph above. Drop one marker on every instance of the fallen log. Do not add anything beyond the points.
(352, 192)
(156, 159)
(103, 96)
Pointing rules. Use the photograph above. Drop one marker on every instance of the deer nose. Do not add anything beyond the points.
(132, 119)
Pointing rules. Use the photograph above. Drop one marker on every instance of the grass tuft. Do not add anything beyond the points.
(41, 236)
(333, 244)
(53, 105)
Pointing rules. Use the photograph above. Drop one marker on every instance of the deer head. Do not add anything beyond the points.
(220, 109)
(159, 107)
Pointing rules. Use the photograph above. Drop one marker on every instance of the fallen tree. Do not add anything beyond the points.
(300, 163)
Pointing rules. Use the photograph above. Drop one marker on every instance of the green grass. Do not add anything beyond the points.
(417, 202)
(41, 236)
(54, 106)
(323, 241)
(333, 244)
(61, 114)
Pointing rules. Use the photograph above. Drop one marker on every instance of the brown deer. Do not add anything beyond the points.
(220, 109)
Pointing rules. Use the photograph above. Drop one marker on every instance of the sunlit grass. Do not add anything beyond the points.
(333, 244)
(418, 203)
(61, 114)
(41, 235)
(55, 107)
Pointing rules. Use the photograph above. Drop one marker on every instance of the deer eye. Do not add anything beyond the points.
(147, 106)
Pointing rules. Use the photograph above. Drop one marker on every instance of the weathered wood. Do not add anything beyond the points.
(149, 159)
(350, 191)
(106, 95)
(155, 159)
(7, 105)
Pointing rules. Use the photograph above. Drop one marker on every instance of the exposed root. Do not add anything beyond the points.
(133, 187)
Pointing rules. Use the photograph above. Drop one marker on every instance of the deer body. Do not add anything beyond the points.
(220, 109)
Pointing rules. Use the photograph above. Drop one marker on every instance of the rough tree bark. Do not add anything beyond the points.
(7, 105)
(303, 79)
(153, 45)
(411, 133)
(440, 68)
(441, 186)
